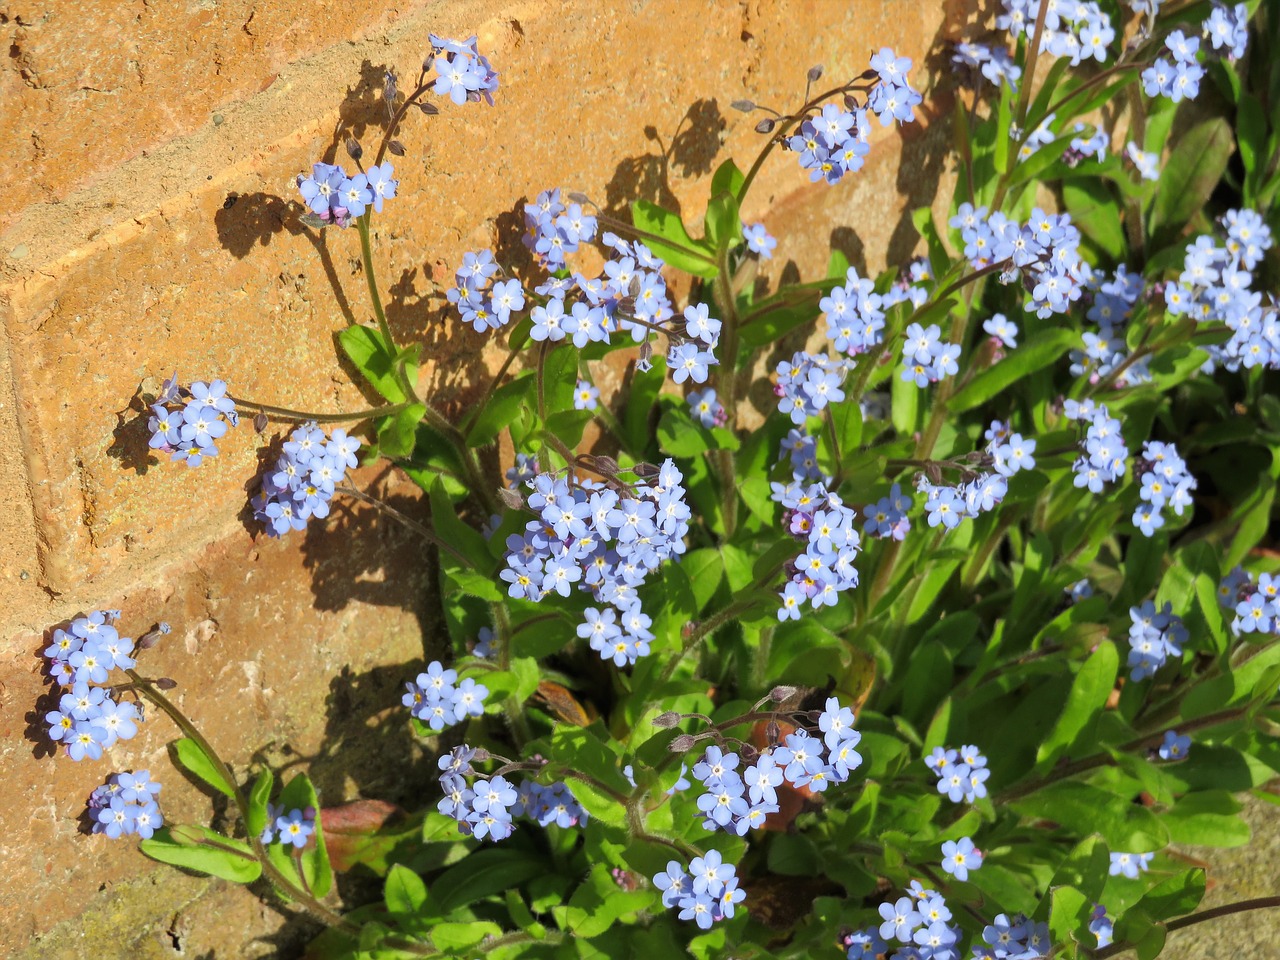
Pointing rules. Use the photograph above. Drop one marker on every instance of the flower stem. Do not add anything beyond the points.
(375, 298)
(284, 413)
(1240, 906)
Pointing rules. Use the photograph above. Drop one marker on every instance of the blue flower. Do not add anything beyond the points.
(382, 185)
(959, 857)
(1129, 864)
(296, 826)
(457, 75)
(584, 396)
(354, 194)
(1175, 747)
(674, 883)
(900, 920)
(758, 239)
(710, 873)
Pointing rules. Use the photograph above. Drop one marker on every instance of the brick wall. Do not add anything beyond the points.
(149, 227)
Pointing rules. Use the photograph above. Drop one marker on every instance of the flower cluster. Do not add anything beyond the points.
(738, 802)
(88, 719)
(834, 142)
(1044, 252)
(808, 383)
(486, 807)
(708, 892)
(854, 315)
(606, 539)
(927, 358)
(334, 197)
(291, 829)
(1104, 452)
(887, 517)
(1256, 605)
(946, 506)
(484, 304)
(1079, 30)
(1129, 864)
(828, 529)
(462, 72)
(302, 482)
(1154, 637)
(125, 805)
(1228, 29)
(185, 422)
(962, 774)
(1165, 482)
(553, 230)
(1177, 80)
(438, 700)
(1215, 287)
(995, 63)
(920, 919)
(1111, 303)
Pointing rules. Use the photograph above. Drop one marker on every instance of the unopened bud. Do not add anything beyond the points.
(815, 72)
(645, 470)
(772, 732)
(480, 755)
(766, 125)
(668, 719)
(746, 106)
(606, 465)
(430, 109)
(577, 197)
(396, 147)
(259, 423)
(165, 683)
(682, 744)
(354, 150)
(511, 498)
(781, 693)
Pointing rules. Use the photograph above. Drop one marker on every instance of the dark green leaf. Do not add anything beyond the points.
(256, 820)
(501, 409)
(1089, 691)
(396, 434)
(1039, 352)
(1189, 177)
(1093, 207)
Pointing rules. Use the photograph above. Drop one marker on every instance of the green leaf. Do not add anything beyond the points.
(679, 436)
(705, 569)
(1093, 207)
(397, 434)
(444, 518)
(475, 585)
(1208, 819)
(375, 359)
(1040, 351)
(1089, 691)
(1086, 809)
(1178, 895)
(192, 757)
(404, 891)
(904, 400)
(256, 819)
(677, 248)
(201, 849)
(1189, 176)
(501, 409)
(1069, 914)
(727, 179)
(722, 224)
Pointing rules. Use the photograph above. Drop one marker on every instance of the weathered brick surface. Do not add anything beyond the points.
(154, 236)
